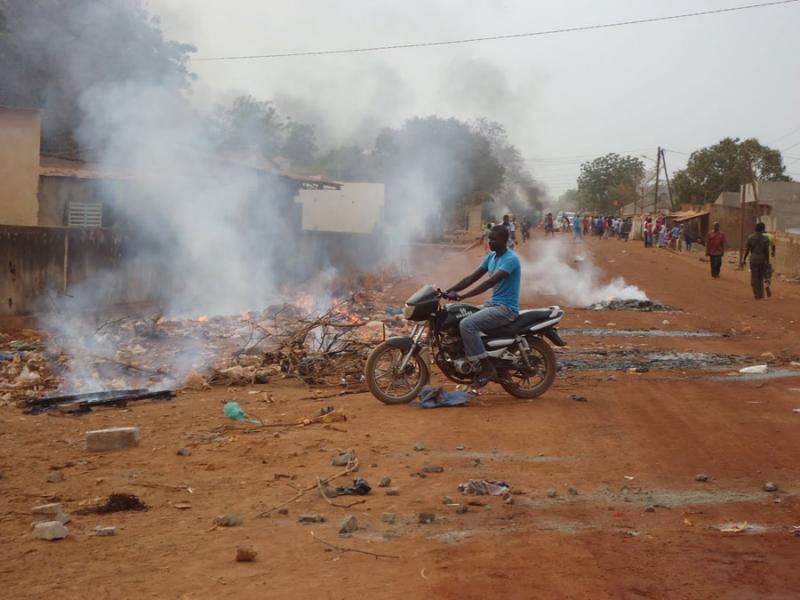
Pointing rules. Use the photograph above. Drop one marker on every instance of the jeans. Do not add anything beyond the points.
(757, 274)
(716, 266)
(489, 317)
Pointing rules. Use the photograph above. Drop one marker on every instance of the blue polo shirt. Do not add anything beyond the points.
(507, 291)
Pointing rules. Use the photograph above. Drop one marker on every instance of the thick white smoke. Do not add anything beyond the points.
(565, 269)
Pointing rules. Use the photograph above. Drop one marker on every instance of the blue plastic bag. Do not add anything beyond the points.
(436, 397)
(233, 411)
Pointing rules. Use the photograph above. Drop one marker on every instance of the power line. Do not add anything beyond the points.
(785, 135)
(508, 36)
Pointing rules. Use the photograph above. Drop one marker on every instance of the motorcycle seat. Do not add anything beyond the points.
(526, 319)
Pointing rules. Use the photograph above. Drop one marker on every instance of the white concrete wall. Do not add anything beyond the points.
(356, 208)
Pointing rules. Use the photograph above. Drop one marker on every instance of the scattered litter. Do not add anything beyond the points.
(754, 370)
(393, 310)
(701, 477)
(735, 527)
(311, 518)
(233, 411)
(578, 398)
(436, 397)
(420, 446)
(426, 518)
(334, 416)
(770, 486)
(629, 477)
(360, 487)
(343, 459)
(642, 305)
(482, 487)
(115, 503)
(182, 505)
(101, 531)
(228, 520)
(385, 482)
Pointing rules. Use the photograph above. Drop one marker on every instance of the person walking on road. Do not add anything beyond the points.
(577, 228)
(715, 249)
(758, 249)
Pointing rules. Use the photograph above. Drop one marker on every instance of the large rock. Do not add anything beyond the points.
(50, 530)
(116, 438)
(50, 512)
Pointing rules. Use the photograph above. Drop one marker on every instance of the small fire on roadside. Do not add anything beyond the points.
(202, 319)
(343, 310)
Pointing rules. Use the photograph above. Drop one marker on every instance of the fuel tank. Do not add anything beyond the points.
(451, 316)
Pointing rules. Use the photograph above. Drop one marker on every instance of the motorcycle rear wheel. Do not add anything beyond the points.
(518, 383)
(386, 383)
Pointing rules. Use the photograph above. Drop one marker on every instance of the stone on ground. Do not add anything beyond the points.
(50, 530)
(116, 438)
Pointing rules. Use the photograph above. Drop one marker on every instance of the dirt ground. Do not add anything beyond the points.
(605, 498)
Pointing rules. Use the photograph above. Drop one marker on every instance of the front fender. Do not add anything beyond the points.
(405, 343)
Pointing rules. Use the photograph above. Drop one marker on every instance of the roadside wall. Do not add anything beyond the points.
(19, 166)
(730, 222)
(41, 263)
(784, 199)
(787, 254)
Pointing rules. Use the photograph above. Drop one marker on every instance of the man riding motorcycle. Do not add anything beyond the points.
(505, 271)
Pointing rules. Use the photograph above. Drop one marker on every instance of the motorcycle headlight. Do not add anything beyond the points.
(408, 311)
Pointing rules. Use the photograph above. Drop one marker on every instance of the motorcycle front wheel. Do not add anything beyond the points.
(535, 380)
(385, 380)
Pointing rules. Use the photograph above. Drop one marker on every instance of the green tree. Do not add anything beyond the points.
(299, 144)
(600, 181)
(519, 190)
(52, 51)
(250, 126)
(723, 167)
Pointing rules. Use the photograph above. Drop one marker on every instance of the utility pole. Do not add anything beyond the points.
(666, 176)
(658, 171)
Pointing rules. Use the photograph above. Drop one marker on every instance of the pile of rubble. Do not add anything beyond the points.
(288, 340)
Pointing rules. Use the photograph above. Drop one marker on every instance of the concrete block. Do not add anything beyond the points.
(116, 438)
(50, 530)
(50, 512)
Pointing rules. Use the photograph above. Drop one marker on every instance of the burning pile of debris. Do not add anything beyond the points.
(641, 305)
(325, 347)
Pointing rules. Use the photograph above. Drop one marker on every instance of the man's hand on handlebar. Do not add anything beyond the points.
(448, 295)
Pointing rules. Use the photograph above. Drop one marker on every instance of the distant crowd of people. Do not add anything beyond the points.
(583, 226)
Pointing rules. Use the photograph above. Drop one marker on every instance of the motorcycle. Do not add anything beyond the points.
(398, 369)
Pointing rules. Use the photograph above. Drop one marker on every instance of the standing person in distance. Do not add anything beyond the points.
(715, 249)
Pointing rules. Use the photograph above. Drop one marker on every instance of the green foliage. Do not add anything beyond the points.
(519, 192)
(51, 51)
(446, 157)
(607, 181)
(723, 167)
(250, 126)
(300, 144)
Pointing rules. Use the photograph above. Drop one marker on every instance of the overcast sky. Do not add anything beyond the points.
(564, 98)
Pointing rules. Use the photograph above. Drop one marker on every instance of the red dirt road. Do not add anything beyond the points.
(636, 444)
